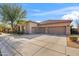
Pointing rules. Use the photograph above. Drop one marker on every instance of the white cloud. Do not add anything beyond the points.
(74, 15)
(38, 21)
(58, 12)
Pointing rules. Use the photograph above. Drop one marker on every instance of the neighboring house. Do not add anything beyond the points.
(56, 27)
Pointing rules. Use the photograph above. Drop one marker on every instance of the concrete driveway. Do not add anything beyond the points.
(35, 45)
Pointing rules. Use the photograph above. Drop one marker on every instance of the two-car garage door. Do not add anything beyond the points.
(57, 30)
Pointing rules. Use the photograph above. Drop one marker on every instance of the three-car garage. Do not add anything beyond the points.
(55, 27)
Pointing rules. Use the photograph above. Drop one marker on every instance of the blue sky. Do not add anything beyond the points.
(51, 11)
(45, 11)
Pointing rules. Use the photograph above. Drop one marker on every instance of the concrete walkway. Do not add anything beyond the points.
(35, 45)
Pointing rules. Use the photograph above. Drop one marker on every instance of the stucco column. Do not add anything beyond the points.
(25, 29)
(68, 30)
(30, 29)
(46, 30)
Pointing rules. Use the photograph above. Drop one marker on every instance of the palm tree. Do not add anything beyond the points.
(21, 22)
(11, 12)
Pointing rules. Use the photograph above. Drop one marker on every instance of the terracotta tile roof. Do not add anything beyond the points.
(55, 21)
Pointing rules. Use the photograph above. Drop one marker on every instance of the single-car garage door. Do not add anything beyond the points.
(57, 30)
(38, 30)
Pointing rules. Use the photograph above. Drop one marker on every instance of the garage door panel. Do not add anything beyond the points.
(57, 30)
(38, 30)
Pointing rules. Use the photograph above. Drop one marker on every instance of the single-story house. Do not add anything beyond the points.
(56, 27)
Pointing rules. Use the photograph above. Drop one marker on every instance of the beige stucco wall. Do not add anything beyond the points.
(30, 25)
(26, 28)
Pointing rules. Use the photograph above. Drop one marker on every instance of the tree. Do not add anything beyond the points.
(11, 12)
(21, 21)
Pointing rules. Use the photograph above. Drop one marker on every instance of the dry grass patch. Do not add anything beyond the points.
(73, 41)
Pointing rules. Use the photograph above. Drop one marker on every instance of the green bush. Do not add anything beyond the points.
(73, 39)
(19, 32)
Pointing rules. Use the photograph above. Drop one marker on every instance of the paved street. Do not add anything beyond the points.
(35, 45)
